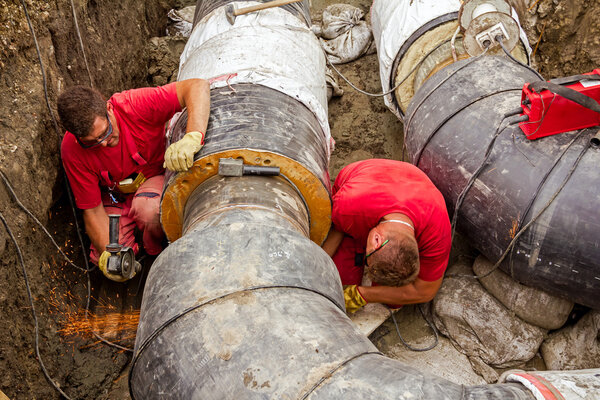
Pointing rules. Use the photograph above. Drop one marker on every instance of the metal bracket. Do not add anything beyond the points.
(236, 167)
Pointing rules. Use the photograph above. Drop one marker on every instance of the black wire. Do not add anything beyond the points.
(466, 64)
(37, 49)
(517, 61)
(397, 85)
(451, 115)
(37, 221)
(87, 269)
(430, 324)
(548, 203)
(33, 313)
(543, 181)
(329, 373)
(87, 313)
(476, 174)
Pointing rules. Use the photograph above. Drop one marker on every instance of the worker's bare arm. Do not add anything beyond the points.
(419, 291)
(333, 241)
(195, 95)
(96, 226)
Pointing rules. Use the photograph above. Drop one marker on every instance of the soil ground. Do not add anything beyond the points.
(121, 55)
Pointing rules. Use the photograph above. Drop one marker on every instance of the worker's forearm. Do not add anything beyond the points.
(407, 294)
(195, 95)
(96, 227)
(333, 241)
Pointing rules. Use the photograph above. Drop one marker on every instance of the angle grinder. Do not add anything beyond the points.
(122, 258)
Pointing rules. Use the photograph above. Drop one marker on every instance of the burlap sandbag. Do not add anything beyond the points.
(344, 35)
(532, 305)
(574, 347)
(480, 326)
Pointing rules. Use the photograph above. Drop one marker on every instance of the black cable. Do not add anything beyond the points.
(451, 115)
(397, 85)
(543, 181)
(37, 221)
(87, 269)
(81, 43)
(37, 49)
(430, 324)
(77, 228)
(499, 40)
(33, 313)
(87, 313)
(466, 64)
(548, 203)
(475, 175)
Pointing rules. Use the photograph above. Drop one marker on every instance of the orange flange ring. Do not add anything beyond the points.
(183, 184)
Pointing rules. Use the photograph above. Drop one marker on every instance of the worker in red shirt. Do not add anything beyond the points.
(114, 156)
(388, 217)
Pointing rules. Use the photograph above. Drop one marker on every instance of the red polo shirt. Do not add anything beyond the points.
(366, 191)
(141, 115)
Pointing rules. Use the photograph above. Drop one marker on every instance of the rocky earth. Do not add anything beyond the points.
(120, 54)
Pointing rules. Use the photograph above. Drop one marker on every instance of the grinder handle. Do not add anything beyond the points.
(113, 233)
(274, 3)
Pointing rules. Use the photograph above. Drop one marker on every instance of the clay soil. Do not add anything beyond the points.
(120, 55)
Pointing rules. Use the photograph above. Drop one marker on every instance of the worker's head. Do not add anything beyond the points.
(84, 112)
(392, 254)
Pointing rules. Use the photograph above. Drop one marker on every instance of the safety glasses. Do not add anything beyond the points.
(91, 144)
(375, 251)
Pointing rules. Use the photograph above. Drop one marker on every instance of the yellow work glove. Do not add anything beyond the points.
(180, 155)
(103, 264)
(353, 298)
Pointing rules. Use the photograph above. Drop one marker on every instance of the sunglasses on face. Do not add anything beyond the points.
(98, 141)
(375, 251)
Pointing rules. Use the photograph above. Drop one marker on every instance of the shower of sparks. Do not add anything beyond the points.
(111, 325)
(68, 307)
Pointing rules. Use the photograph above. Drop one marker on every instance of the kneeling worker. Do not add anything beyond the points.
(114, 156)
(388, 216)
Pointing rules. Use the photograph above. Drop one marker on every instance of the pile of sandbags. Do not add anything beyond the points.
(499, 323)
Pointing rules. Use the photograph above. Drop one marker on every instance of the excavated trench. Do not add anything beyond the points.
(82, 367)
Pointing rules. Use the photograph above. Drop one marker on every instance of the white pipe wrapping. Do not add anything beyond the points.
(271, 47)
(393, 23)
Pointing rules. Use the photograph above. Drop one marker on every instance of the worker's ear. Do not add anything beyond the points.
(109, 106)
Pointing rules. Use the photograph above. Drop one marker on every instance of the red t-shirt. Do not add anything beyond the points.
(141, 115)
(366, 191)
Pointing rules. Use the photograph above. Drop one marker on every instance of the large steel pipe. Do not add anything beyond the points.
(451, 125)
(454, 112)
(242, 304)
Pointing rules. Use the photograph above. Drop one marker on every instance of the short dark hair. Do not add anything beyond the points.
(78, 108)
(397, 263)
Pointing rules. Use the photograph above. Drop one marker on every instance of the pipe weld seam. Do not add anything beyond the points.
(451, 115)
(165, 324)
(521, 223)
(434, 23)
(334, 370)
(189, 226)
(440, 84)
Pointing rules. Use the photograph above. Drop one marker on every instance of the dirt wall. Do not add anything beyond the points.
(568, 33)
(114, 36)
